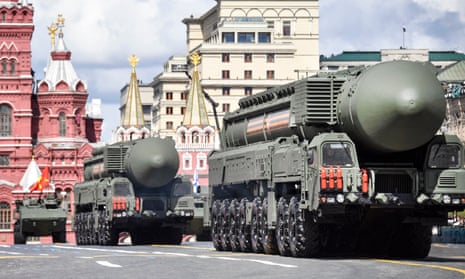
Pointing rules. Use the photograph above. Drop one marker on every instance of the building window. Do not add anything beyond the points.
(225, 58)
(201, 164)
(225, 107)
(270, 74)
(5, 216)
(183, 95)
(169, 95)
(247, 74)
(62, 124)
(169, 110)
(286, 28)
(264, 37)
(187, 164)
(270, 24)
(3, 16)
(187, 159)
(228, 37)
(4, 160)
(207, 137)
(4, 67)
(183, 110)
(270, 58)
(195, 137)
(246, 37)
(5, 121)
(248, 91)
(12, 68)
(248, 57)
(226, 91)
(225, 74)
(169, 125)
(183, 137)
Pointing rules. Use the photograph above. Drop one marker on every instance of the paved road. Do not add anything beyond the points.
(200, 260)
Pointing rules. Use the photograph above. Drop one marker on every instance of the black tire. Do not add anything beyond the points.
(411, 241)
(269, 236)
(225, 222)
(216, 226)
(256, 237)
(244, 229)
(173, 236)
(59, 237)
(304, 233)
(234, 229)
(282, 228)
(19, 237)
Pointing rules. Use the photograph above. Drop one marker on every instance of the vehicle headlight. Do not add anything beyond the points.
(446, 199)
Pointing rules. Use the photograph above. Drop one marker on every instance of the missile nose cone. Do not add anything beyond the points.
(396, 106)
(157, 161)
(409, 103)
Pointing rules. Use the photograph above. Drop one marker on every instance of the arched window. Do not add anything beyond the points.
(4, 67)
(5, 216)
(62, 120)
(5, 121)
(195, 137)
(183, 137)
(12, 68)
(207, 137)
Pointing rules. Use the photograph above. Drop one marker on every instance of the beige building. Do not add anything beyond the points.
(245, 48)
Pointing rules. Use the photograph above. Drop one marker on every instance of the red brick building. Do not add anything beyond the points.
(46, 119)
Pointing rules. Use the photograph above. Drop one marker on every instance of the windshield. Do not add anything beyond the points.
(182, 189)
(337, 154)
(122, 189)
(444, 156)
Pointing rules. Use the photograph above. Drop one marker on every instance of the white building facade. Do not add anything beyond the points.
(246, 47)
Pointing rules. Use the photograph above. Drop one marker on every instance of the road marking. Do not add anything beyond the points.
(448, 268)
(10, 253)
(171, 254)
(107, 264)
(100, 249)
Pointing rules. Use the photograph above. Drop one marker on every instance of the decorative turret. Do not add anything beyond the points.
(196, 112)
(133, 115)
(132, 120)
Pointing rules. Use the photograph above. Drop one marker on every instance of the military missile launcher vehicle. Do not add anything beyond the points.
(336, 163)
(132, 187)
(39, 216)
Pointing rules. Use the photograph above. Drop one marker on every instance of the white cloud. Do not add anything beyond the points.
(103, 34)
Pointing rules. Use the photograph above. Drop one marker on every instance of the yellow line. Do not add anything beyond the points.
(448, 268)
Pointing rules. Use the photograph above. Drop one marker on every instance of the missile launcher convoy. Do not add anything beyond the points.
(132, 187)
(338, 162)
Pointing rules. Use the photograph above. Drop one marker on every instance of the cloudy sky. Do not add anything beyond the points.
(103, 34)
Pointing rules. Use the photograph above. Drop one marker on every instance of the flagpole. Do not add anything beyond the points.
(403, 37)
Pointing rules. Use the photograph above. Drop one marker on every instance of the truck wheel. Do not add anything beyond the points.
(19, 237)
(411, 241)
(234, 229)
(256, 236)
(269, 236)
(304, 234)
(215, 230)
(225, 223)
(244, 235)
(59, 237)
(282, 229)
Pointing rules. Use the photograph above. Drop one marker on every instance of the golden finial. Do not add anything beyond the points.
(60, 20)
(133, 61)
(51, 31)
(195, 59)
